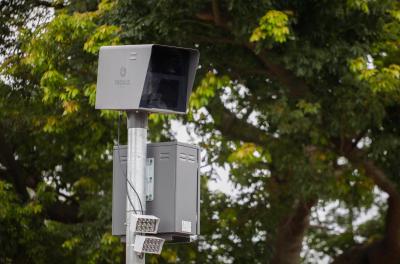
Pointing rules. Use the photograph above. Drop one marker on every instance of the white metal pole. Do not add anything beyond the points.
(135, 201)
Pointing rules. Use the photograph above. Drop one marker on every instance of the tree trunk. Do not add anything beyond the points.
(290, 234)
(386, 250)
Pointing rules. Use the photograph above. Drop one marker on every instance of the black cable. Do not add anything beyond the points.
(123, 171)
(130, 201)
(140, 202)
(119, 161)
(126, 177)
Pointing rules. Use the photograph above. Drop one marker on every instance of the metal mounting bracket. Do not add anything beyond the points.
(150, 179)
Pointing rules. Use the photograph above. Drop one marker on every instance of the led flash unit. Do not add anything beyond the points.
(146, 223)
(148, 244)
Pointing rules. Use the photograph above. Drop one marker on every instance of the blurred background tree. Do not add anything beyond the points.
(298, 100)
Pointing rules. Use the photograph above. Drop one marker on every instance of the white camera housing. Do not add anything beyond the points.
(152, 78)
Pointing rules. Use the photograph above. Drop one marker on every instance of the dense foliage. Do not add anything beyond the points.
(299, 100)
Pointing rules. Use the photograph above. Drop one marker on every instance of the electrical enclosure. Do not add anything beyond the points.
(176, 198)
(152, 78)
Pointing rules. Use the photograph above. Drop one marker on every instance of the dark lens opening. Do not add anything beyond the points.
(167, 79)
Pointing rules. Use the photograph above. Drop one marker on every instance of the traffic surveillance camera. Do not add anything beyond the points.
(146, 223)
(152, 78)
(148, 244)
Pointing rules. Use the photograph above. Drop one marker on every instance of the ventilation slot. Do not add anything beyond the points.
(164, 156)
(187, 157)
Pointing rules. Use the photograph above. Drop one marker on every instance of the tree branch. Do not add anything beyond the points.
(297, 86)
(63, 212)
(392, 230)
(217, 14)
(386, 250)
(44, 3)
(234, 128)
(13, 169)
(58, 211)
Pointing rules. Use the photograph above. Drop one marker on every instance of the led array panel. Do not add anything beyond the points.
(146, 224)
(148, 244)
(153, 245)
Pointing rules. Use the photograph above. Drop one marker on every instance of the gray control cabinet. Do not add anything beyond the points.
(176, 196)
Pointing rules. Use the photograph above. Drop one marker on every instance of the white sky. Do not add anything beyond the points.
(222, 183)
